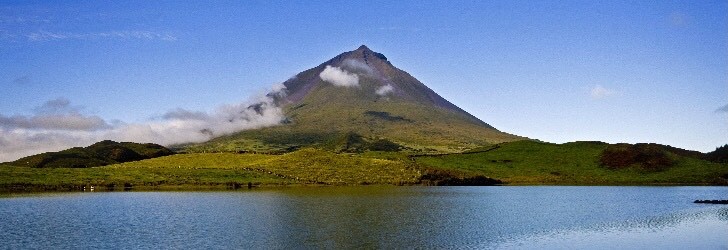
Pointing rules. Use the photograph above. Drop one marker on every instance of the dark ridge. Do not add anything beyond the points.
(720, 155)
(651, 157)
(436, 177)
(711, 201)
(99, 154)
(354, 143)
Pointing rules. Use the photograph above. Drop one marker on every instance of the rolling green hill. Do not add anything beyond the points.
(99, 154)
(386, 103)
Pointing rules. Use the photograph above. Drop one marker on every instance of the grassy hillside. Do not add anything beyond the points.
(304, 166)
(324, 117)
(515, 163)
(216, 170)
(578, 163)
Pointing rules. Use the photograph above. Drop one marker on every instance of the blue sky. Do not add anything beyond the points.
(558, 71)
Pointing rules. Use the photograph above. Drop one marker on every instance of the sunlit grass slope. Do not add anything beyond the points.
(306, 166)
(529, 162)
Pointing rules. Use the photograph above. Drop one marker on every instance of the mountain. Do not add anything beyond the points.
(99, 154)
(360, 94)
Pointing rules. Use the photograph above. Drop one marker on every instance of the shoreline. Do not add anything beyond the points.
(42, 188)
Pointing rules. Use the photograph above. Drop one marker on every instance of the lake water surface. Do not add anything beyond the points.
(532, 217)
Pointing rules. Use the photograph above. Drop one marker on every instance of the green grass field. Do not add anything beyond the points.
(577, 163)
(217, 170)
(515, 163)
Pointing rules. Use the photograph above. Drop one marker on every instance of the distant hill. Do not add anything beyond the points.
(99, 154)
(719, 155)
(360, 92)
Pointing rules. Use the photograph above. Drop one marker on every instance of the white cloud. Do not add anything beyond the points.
(599, 92)
(279, 87)
(339, 77)
(357, 66)
(56, 127)
(384, 90)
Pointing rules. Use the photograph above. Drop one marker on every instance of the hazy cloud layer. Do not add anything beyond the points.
(600, 92)
(357, 66)
(57, 106)
(339, 77)
(183, 114)
(55, 114)
(41, 36)
(31, 24)
(385, 90)
(54, 122)
(723, 109)
(57, 126)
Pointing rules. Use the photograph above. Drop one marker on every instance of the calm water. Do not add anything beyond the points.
(372, 217)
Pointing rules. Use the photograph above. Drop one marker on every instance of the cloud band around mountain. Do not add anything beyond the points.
(56, 125)
(385, 90)
(339, 77)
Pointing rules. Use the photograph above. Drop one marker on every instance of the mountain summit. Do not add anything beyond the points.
(373, 70)
(361, 94)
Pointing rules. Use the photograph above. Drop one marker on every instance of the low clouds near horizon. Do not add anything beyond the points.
(57, 125)
(55, 114)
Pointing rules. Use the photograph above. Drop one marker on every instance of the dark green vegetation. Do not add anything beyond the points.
(99, 154)
(719, 155)
(585, 163)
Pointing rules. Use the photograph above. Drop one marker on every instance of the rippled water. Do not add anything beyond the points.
(372, 217)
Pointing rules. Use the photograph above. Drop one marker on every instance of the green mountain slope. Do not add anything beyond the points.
(386, 103)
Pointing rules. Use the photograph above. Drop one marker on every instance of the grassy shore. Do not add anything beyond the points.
(515, 163)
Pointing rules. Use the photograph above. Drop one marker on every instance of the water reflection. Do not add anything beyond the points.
(357, 217)
(372, 217)
(704, 230)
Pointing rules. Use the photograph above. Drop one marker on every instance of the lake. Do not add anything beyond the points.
(528, 217)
